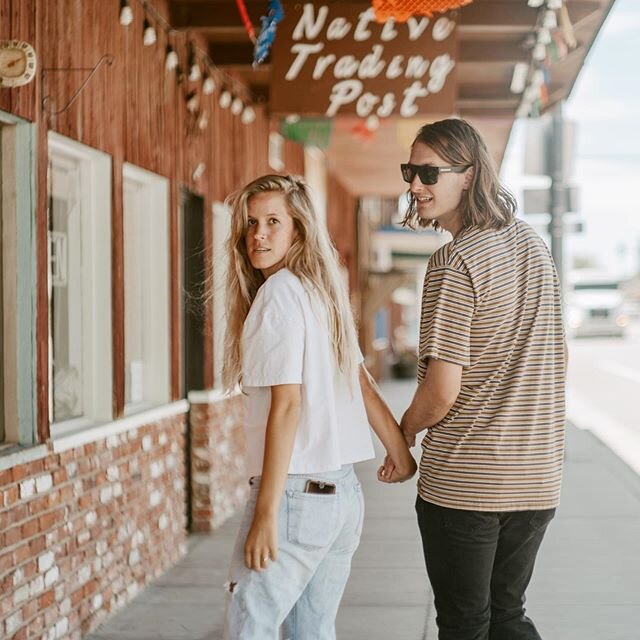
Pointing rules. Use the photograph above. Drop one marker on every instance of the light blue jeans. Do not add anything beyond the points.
(301, 591)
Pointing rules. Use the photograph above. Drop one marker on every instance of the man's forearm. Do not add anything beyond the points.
(426, 410)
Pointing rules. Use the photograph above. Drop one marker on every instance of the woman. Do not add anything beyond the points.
(291, 343)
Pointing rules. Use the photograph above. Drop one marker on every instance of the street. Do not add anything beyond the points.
(603, 388)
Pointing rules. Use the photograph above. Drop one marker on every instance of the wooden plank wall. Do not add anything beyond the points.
(342, 225)
(136, 112)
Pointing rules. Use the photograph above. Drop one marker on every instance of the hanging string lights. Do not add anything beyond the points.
(126, 14)
(199, 68)
(551, 41)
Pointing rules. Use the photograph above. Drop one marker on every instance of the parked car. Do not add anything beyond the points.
(595, 304)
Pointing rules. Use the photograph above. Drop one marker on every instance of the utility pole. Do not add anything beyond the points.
(559, 188)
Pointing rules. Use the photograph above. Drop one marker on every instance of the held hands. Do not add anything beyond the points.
(390, 473)
(261, 546)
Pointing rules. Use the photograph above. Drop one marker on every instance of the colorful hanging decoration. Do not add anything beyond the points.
(246, 20)
(402, 10)
(315, 132)
(275, 14)
(567, 28)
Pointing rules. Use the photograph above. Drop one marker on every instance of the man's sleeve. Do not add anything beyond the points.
(447, 310)
(273, 342)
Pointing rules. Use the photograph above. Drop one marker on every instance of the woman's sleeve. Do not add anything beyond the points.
(273, 341)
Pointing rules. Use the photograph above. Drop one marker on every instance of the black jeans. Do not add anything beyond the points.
(479, 564)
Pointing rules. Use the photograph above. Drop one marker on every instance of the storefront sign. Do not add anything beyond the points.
(335, 59)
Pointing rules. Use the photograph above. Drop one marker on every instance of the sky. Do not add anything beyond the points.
(605, 105)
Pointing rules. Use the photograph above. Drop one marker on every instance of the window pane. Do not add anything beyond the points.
(65, 289)
(135, 305)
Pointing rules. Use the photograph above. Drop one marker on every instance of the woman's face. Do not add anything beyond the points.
(441, 201)
(270, 232)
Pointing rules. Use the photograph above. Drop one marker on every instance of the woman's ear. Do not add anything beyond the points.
(468, 177)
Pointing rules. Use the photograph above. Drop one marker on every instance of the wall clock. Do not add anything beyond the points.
(17, 63)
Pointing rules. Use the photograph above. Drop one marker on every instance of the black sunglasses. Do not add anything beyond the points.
(427, 173)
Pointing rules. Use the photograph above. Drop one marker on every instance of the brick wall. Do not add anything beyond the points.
(218, 471)
(83, 530)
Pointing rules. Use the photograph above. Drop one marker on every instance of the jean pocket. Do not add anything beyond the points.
(312, 519)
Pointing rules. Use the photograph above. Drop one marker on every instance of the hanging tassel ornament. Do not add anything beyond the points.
(275, 14)
(567, 28)
(246, 20)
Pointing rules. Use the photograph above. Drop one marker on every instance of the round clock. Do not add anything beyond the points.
(17, 63)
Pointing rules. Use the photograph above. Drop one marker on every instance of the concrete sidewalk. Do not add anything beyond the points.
(586, 585)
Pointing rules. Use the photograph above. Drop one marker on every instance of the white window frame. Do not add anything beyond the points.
(221, 217)
(156, 338)
(95, 202)
(19, 256)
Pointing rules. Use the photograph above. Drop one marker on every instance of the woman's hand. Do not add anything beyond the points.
(390, 473)
(261, 546)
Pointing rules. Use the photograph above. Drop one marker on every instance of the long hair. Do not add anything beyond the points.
(312, 257)
(486, 204)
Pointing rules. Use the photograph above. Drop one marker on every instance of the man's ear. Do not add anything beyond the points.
(468, 177)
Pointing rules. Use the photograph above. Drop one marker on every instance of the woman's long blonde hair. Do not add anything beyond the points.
(312, 257)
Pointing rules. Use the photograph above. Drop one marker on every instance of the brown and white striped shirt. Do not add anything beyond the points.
(491, 303)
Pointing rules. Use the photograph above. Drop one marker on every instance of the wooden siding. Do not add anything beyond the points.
(136, 112)
(342, 225)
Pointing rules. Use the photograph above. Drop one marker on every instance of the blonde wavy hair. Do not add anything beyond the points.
(312, 257)
(486, 204)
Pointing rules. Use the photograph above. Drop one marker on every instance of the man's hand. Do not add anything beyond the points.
(261, 546)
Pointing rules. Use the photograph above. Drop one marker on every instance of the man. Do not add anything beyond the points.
(490, 389)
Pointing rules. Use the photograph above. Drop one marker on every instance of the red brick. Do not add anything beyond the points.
(21, 554)
(36, 467)
(38, 505)
(48, 520)
(60, 476)
(19, 513)
(47, 599)
(76, 597)
(30, 609)
(11, 495)
(38, 545)
(20, 472)
(12, 536)
(5, 562)
(29, 528)
(20, 635)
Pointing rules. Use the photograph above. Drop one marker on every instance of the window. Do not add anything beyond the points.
(79, 219)
(146, 289)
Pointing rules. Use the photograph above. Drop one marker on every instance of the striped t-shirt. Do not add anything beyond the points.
(491, 303)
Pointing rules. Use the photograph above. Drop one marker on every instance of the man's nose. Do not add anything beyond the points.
(416, 184)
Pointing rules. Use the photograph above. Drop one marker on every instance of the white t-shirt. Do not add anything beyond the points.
(285, 340)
